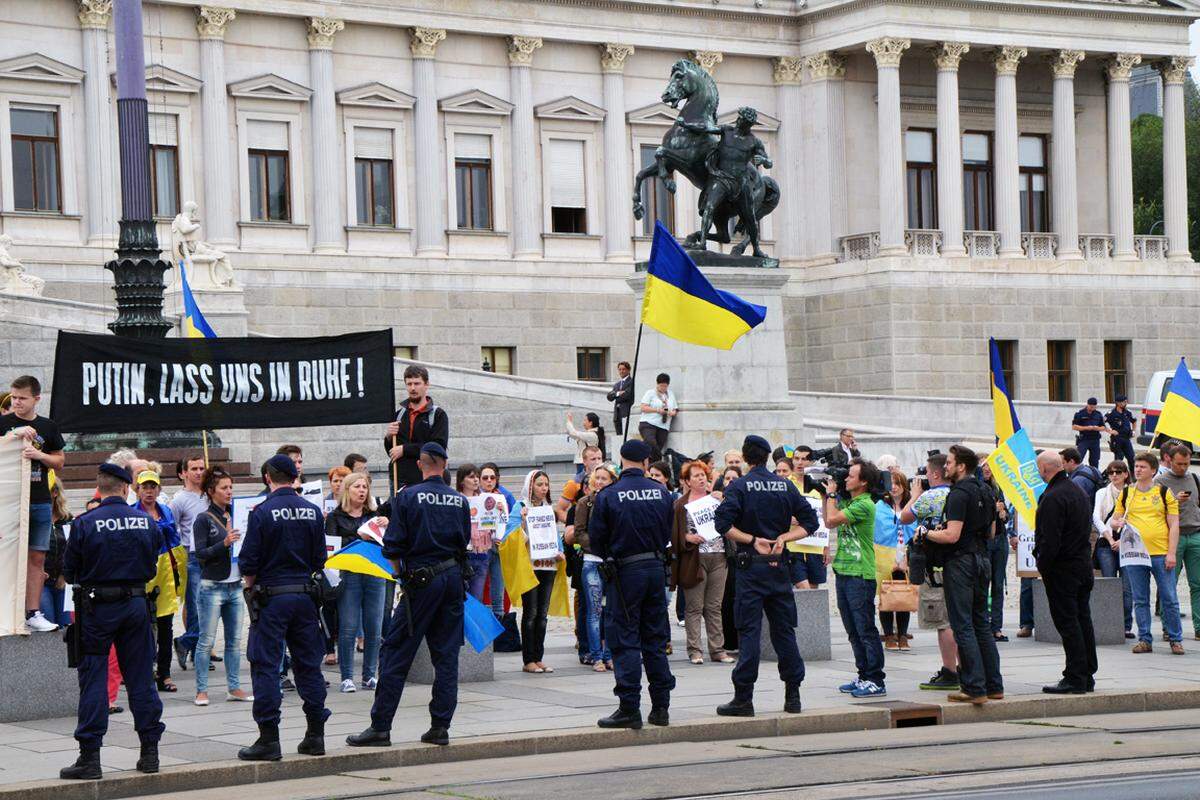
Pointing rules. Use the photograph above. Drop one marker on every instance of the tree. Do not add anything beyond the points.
(1146, 145)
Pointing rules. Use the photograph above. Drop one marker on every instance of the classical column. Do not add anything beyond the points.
(326, 166)
(214, 123)
(1175, 198)
(887, 54)
(1007, 175)
(707, 59)
(100, 214)
(1120, 158)
(1064, 191)
(789, 162)
(526, 174)
(617, 213)
(431, 171)
(825, 169)
(949, 146)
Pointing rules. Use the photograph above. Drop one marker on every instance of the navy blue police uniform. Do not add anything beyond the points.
(763, 505)
(630, 527)
(427, 537)
(1088, 442)
(1121, 421)
(283, 548)
(111, 554)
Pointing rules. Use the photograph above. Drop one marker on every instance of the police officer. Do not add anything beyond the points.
(426, 541)
(1088, 423)
(630, 528)
(283, 548)
(1120, 422)
(111, 554)
(756, 513)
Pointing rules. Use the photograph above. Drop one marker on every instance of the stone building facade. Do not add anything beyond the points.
(950, 170)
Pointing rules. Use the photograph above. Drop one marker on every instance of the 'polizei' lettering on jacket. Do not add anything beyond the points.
(435, 499)
(123, 524)
(639, 494)
(306, 514)
(766, 486)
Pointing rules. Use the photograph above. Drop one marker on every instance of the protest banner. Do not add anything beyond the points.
(1026, 563)
(703, 514)
(14, 534)
(109, 384)
(543, 533)
(1132, 548)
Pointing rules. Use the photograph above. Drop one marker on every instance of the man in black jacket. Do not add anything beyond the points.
(621, 397)
(418, 421)
(1062, 547)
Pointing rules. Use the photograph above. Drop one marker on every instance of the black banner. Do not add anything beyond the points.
(110, 384)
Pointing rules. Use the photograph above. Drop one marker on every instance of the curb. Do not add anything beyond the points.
(856, 717)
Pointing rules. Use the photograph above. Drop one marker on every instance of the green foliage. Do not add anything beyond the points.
(1146, 215)
(1146, 144)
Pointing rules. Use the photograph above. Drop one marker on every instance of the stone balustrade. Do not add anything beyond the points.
(1151, 248)
(859, 246)
(1096, 246)
(981, 244)
(922, 242)
(1039, 245)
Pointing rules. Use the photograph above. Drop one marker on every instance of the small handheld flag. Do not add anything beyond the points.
(479, 624)
(195, 326)
(1180, 417)
(1006, 422)
(680, 302)
(362, 557)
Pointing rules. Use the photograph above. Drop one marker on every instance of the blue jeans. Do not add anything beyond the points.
(480, 564)
(52, 605)
(360, 603)
(1164, 579)
(593, 596)
(997, 553)
(220, 601)
(1027, 603)
(966, 583)
(856, 605)
(190, 608)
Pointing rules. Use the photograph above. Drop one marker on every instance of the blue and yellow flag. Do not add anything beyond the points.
(1180, 417)
(1006, 423)
(195, 326)
(363, 557)
(1014, 466)
(681, 303)
(480, 626)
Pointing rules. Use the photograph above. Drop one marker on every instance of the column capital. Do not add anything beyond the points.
(612, 56)
(706, 59)
(1175, 68)
(1064, 62)
(212, 20)
(425, 41)
(1121, 65)
(787, 70)
(95, 13)
(321, 31)
(1007, 59)
(520, 50)
(887, 51)
(826, 65)
(948, 55)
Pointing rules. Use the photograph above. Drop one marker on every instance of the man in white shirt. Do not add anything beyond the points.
(658, 409)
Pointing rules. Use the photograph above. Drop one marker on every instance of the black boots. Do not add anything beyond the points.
(148, 760)
(85, 768)
(313, 743)
(737, 707)
(370, 738)
(267, 746)
(659, 716)
(436, 735)
(622, 718)
(791, 699)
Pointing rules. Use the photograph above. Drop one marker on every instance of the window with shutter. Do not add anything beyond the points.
(568, 196)
(373, 184)
(473, 180)
(164, 164)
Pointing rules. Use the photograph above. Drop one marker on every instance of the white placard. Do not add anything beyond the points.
(1026, 563)
(374, 529)
(703, 515)
(490, 512)
(543, 533)
(1133, 549)
(330, 506)
(332, 545)
(239, 513)
(311, 491)
(817, 540)
(69, 593)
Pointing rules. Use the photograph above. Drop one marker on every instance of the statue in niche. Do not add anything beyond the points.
(13, 277)
(207, 267)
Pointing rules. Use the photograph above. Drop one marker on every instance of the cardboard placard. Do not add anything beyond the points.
(542, 527)
(703, 514)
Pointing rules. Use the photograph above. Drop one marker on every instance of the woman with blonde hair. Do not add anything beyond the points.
(599, 656)
(891, 536)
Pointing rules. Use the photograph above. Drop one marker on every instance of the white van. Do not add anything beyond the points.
(1156, 395)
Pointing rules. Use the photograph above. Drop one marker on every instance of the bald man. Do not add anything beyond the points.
(1062, 547)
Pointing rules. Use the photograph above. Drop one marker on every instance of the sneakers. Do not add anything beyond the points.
(348, 686)
(869, 689)
(942, 681)
(1143, 647)
(369, 685)
(848, 688)
(39, 624)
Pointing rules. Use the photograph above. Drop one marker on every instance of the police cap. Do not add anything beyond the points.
(284, 464)
(1121, 398)
(118, 472)
(1091, 401)
(754, 440)
(635, 450)
(435, 450)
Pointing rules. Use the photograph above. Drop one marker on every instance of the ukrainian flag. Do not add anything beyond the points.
(1180, 417)
(681, 303)
(195, 326)
(363, 557)
(1006, 422)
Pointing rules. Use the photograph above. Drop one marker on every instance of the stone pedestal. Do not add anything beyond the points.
(812, 627)
(1107, 614)
(35, 682)
(724, 394)
(472, 667)
(224, 308)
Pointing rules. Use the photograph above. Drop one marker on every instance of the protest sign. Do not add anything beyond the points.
(1026, 563)
(14, 534)
(817, 540)
(491, 513)
(1133, 549)
(374, 529)
(543, 533)
(311, 491)
(703, 514)
(332, 545)
(239, 515)
(107, 384)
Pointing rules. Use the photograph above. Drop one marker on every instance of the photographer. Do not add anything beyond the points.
(970, 522)
(925, 508)
(854, 566)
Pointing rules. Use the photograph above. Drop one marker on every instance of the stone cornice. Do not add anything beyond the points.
(1098, 9)
(948, 55)
(1064, 62)
(706, 59)
(787, 70)
(1007, 59)
(1175, 69)
(1121, 65)
(211, 21)
(826, 66)
(321, 31)
(613, 56)
(95, 13)
(425, 41)
(520, 50)
(888, 50)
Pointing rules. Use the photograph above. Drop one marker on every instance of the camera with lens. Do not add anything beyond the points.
(923, 471)
(839, 472)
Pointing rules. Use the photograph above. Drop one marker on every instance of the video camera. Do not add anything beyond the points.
(923, 470)
(839, 472)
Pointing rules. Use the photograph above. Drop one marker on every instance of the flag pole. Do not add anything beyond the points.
(637, 350)
(395, 473)
(204, 441)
